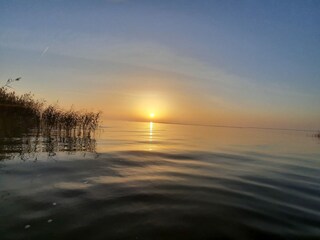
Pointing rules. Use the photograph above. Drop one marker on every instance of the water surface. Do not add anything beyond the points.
(161, 181)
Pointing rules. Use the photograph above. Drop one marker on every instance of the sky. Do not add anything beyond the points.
(239, 63)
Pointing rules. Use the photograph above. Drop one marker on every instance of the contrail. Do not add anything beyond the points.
(44, 51)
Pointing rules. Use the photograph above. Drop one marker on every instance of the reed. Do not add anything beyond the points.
(24, 109)
(25, 104)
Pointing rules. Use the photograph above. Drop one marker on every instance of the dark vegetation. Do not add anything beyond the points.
(20, 113)
(30, 128)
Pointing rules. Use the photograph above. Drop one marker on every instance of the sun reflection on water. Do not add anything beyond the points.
(150, 135)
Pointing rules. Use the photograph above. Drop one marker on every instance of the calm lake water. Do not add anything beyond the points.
(161, 181)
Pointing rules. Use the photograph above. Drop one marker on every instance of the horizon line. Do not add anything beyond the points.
(224, 126)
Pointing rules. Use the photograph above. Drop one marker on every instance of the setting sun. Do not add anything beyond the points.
(151, 115)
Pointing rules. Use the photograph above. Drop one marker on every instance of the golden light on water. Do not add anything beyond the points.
(150, 130)
(150, 136)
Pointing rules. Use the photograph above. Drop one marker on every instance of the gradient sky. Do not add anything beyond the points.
(244, 63)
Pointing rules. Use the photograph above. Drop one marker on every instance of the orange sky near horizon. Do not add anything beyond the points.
(133, 96)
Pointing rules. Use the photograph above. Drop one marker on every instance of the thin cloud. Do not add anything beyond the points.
(44, 51)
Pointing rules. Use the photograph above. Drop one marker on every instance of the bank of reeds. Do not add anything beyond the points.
(12, 104)
(23, 110)
(73, 122)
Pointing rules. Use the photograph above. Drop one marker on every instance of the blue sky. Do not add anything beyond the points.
(251, 59)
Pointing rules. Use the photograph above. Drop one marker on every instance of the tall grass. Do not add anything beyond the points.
(23, 105)
(23, 110)
(73, 122)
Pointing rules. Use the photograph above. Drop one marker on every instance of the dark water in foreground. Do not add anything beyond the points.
(157, 181)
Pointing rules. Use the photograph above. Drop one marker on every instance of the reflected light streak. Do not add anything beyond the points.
(150, 134)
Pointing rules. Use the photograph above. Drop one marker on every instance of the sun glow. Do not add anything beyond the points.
(150, 106)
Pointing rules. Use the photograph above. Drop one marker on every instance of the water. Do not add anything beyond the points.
(161, 181)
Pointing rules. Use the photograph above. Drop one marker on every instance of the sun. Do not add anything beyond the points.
(152, 115)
